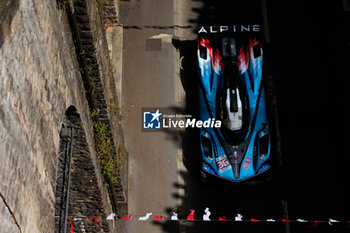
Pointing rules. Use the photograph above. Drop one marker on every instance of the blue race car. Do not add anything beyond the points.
(231, 90)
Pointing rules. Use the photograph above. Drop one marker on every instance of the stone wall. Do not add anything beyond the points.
(94, 50)
(39, 79)
(84, 195)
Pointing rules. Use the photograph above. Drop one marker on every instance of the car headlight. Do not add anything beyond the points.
(263, 168)
(207, 168)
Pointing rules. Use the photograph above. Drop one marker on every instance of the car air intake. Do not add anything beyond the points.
(207, 148)
(264, 144)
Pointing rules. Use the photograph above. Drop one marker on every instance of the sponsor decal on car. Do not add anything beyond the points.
(223, 163)
(245, 166)
(233, 28)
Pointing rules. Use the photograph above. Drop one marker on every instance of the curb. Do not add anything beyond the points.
(114, 34)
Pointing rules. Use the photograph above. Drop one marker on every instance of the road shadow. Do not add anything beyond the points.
(222, 200)
(307, 148)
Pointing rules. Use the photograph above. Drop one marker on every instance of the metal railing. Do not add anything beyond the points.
(64, 174)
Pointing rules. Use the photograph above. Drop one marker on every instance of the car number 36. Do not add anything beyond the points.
(222, 162)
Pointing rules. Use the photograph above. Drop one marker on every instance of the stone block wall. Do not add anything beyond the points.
(39, 79)
(85, 200)
(92, 32)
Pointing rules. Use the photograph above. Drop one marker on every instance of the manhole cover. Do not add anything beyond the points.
(154, 44)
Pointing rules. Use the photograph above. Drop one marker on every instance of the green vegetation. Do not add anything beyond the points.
(101, 7)
(121, 154)
(104, 148)
(109, 161)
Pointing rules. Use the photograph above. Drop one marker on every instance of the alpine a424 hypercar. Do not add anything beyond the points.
(231, 90)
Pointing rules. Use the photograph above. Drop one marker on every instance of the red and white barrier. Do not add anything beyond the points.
(206, 217)
(238, 218)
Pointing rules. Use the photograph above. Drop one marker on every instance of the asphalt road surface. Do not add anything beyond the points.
(306, 58)
(148, 81)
